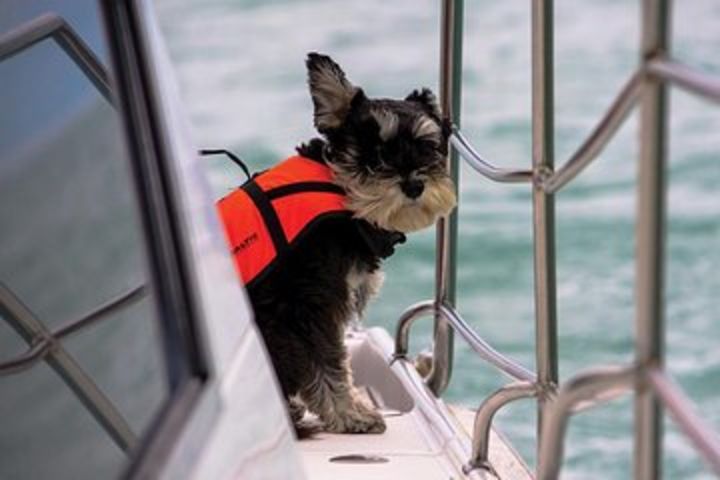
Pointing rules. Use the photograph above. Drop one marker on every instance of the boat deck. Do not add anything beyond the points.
(401, 452)
(413, 446)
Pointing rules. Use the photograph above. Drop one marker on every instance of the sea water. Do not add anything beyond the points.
(240, 66)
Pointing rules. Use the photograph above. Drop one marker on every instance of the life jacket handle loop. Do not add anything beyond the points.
(232, 156)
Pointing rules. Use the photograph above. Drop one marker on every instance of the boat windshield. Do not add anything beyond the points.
(82, 372)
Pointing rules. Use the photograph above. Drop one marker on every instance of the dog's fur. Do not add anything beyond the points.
(388, 155)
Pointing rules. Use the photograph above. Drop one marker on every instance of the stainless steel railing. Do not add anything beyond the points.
(53, 26)
(44, 344)
(446, 234)
(473, 158)
(545, 380)
(448, 314)
(646, 377)
(598, 138)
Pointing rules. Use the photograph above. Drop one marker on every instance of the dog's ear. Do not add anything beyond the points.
(332, 94)
(427, 100)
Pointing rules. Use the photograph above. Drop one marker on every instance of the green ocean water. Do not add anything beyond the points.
(240, 67)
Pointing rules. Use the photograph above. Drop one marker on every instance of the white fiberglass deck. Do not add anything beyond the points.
(424, 438)
(404, 447)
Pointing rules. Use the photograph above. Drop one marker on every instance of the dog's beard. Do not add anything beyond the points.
(382, 202)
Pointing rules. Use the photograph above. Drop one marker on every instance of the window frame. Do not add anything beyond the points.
(135, 95)
(184, 361)
(134, 92)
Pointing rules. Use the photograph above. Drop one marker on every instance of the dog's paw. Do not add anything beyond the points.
(357, 419)
(296, 409)
(307, 427)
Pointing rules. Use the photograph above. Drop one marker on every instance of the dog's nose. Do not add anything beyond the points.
(413, 188)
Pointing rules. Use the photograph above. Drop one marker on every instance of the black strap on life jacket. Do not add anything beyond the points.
(303, 187)
(269, 216)
(380, 242)
(263, 202)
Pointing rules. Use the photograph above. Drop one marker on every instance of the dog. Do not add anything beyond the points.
(386, 159)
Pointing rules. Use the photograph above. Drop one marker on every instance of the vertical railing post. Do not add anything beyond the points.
(446, 240)
(650, 243)
(543, 203)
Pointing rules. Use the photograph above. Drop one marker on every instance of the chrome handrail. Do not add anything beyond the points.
(25, 360)
(51, 25)
(552, 182)
(44, 344)
(681, 410)
(650, 240)
(601, 382)
(446, 229)
(402, 338)
(34, 332)
(40, 346)
(689, 79)
(646, 377)
(543, 153)
(473, 158)
(598, 138)
(483, 420)
(580, 388)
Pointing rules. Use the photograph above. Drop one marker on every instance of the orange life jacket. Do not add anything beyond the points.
(267, 214)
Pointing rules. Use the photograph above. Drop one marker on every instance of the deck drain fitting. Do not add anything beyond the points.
(359, 459)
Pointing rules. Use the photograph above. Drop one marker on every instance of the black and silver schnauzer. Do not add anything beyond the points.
(389, 157)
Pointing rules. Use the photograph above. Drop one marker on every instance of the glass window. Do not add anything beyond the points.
(71, 242)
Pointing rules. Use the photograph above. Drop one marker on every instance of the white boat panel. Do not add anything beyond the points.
(250, 433)
(425, 439)
(407, 453)
(224, 305)
(251, 438)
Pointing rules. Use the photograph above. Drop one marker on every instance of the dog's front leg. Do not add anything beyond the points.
(334, 398)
